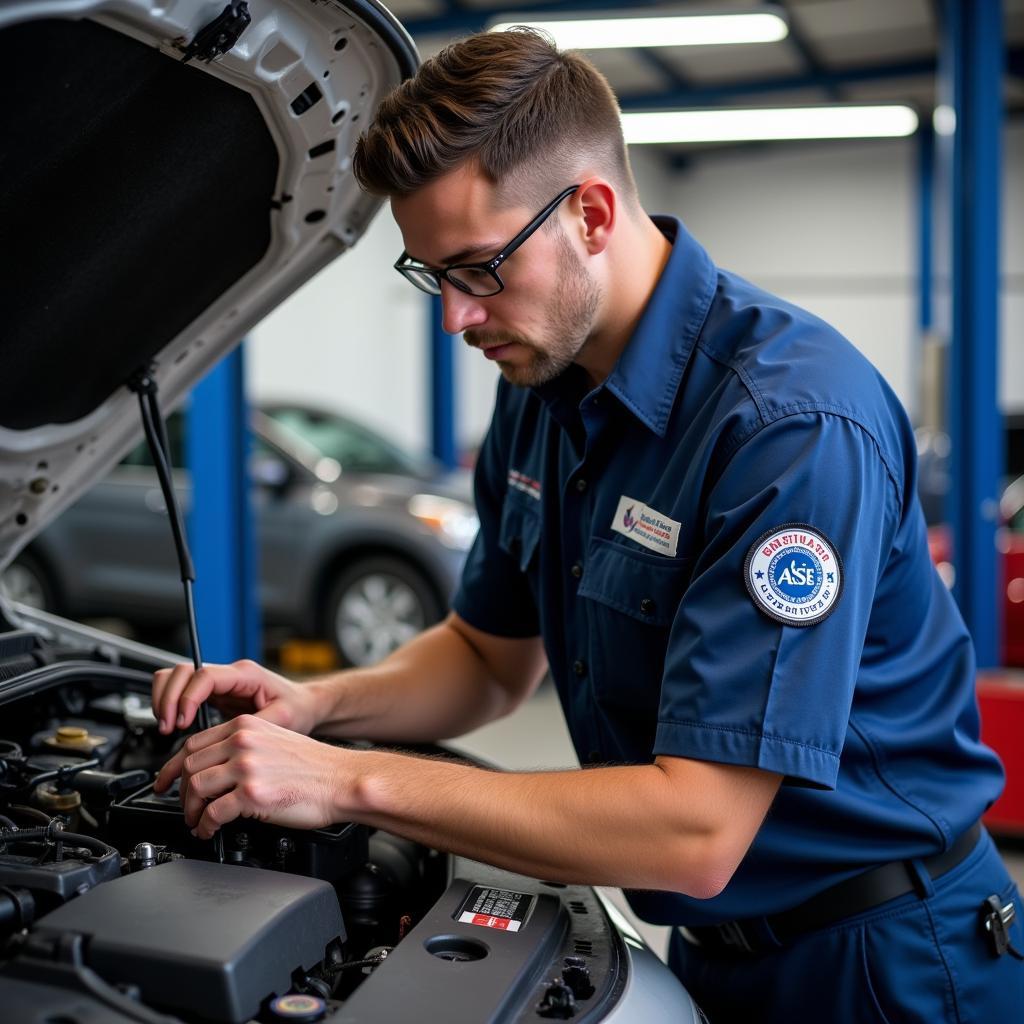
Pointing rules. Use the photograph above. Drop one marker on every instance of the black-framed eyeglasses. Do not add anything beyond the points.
(478, 279)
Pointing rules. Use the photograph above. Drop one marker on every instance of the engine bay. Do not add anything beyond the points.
(110, 910)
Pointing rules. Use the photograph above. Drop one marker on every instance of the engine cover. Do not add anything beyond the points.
(211, 939)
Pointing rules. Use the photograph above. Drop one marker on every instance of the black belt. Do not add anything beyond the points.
(854, 896)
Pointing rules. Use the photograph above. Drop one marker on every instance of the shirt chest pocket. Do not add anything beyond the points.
(519, 532)
(631, 599)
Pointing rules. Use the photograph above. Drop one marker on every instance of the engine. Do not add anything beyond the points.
(112, 912)
(101, 881)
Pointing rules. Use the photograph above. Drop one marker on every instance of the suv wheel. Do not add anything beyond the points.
(377, 605)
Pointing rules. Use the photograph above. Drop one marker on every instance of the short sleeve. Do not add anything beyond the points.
(740, 687)
(494, 593)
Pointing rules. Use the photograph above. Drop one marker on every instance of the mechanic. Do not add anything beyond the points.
(698, 510)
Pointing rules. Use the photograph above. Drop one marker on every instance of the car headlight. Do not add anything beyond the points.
(454, 522)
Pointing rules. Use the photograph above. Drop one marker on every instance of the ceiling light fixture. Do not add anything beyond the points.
(753, 125)
(591, 32)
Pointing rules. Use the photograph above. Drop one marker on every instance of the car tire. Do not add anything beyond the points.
(376, 605)
(27, 582)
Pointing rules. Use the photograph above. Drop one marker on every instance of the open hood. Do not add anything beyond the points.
(171, 171)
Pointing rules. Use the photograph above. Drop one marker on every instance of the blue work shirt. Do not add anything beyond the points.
(627, 525)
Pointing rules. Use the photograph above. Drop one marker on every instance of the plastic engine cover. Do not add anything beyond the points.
(211, 939)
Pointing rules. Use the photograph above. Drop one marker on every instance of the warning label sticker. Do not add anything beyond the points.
(495, 908)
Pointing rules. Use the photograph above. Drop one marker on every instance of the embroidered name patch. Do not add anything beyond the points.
(639, 522)
(794, 574)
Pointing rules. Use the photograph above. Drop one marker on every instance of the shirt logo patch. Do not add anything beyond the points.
(640, 522)
(521, 482)
(794, 574)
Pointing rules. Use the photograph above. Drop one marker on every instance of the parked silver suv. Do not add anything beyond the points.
(360, 542)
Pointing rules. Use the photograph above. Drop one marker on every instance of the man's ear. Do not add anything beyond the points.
(598, 206)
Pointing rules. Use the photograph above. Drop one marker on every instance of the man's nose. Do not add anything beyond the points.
(460, 310)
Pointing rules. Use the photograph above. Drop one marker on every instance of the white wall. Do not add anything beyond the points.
(832, 228)
(353, 338)
(829, 228)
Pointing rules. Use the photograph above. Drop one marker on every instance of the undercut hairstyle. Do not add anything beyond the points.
(529, 116)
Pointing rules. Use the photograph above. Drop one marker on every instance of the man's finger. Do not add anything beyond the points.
(160, 677)
(201, 685)
(195, 743)
(215, 681)
(219, 812)
(169, 772)
(203, 787)
(167, 684)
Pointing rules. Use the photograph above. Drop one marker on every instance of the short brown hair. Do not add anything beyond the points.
(524, 111)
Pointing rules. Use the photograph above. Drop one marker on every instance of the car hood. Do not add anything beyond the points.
(159, 207)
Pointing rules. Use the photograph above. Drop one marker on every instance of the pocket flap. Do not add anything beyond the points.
(646, 587)
(520, 530)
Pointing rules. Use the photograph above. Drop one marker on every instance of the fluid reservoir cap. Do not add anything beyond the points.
(298, 1008)
(74, 737)
(47, 796)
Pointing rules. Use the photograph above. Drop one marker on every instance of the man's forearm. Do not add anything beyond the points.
(675, 824)
(683, 829)
(435, 687)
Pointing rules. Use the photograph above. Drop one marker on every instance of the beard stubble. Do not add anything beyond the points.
(570, 322)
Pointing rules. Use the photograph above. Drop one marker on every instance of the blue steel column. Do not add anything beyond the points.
(220, 527)
(925, 232)
(922, 412)
(972, 73)
(442, 389)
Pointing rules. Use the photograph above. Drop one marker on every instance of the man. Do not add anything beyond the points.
(698, 509)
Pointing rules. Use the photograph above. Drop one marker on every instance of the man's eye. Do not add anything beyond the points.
(471, 276)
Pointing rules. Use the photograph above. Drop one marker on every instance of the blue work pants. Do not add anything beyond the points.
(912, 960)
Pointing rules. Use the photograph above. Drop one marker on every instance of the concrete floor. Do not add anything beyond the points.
(535, 737)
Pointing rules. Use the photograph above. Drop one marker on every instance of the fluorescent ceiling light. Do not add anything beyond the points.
(839, 122)
(658, 30)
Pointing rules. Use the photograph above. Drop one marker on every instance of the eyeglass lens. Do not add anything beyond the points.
(424, 280)
(475, 280)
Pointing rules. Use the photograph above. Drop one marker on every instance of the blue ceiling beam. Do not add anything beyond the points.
(700, 96)
(459, 20)
(809, 56)
(669, 72)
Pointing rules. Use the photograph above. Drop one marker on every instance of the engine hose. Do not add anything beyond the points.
(55, 834)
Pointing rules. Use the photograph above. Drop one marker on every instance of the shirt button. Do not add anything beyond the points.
(581, 485)
(647, 606)
(576, 570)
(579, 667)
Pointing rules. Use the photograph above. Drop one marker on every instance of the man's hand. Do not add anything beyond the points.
(252, 768)
(239, 688)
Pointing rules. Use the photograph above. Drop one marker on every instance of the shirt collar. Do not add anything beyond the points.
(646, 376)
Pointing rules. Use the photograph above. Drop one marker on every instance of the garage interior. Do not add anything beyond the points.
(866, 225)
(908, 237)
